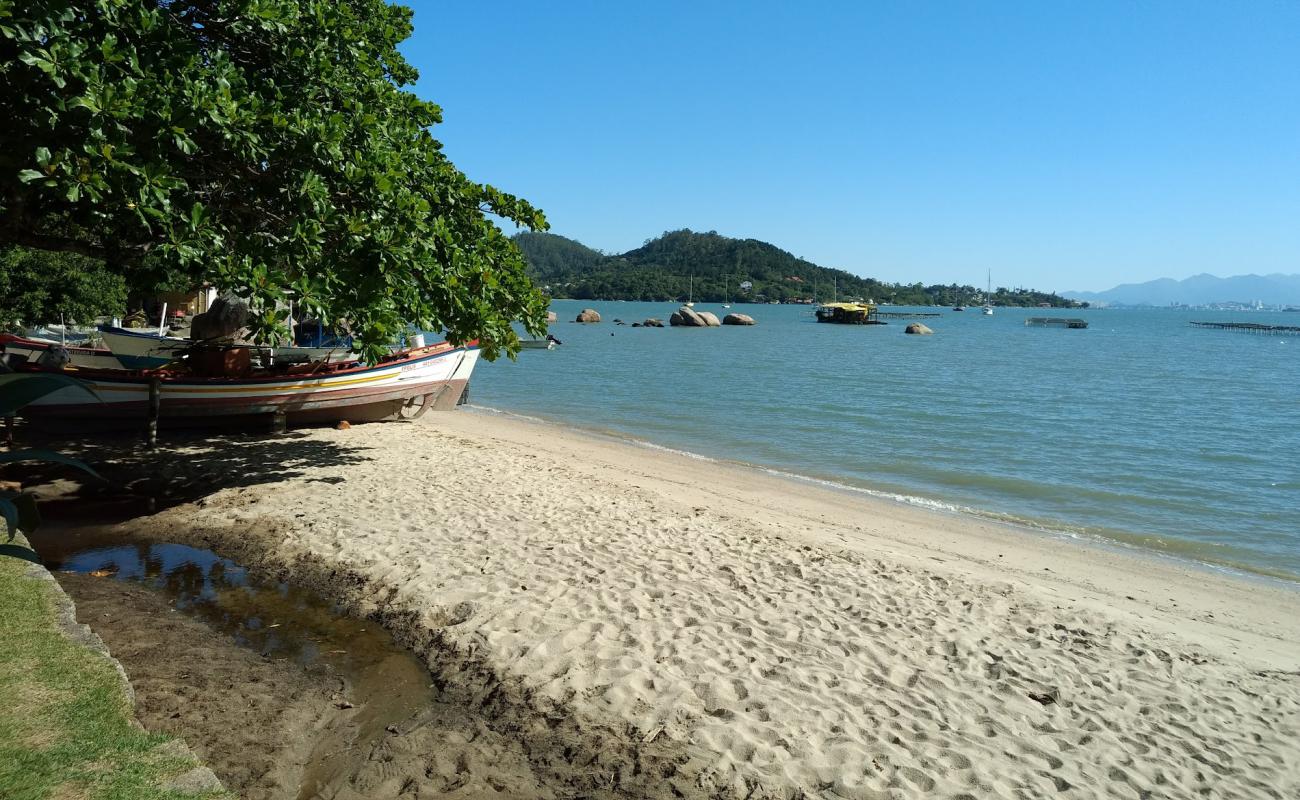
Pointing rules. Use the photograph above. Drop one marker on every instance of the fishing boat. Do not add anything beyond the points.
(405, 384)
(20, 350)
(848, 314)
(150, 349)
(143, 348)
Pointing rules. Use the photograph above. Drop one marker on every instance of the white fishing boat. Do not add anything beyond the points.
(142, 348)
(405, 384)
(150, 349)
(22, 350)
(537, 344)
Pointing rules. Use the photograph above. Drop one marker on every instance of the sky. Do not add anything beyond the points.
(1060, 145)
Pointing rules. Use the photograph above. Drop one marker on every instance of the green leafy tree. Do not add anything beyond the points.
(38, 286)
(265, 146)
(662, 269)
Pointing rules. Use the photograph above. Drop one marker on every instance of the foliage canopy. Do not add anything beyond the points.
(265, 146)
(37, 287)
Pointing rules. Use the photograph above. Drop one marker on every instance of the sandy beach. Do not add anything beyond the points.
(716, 631)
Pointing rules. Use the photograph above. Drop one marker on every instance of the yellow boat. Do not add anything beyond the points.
(848, 313)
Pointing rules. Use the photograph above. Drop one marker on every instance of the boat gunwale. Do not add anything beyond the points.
(9, 339)
(113, 330)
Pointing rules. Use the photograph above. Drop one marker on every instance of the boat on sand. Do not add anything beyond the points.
(149, 349)
(21, 350)
(405, 384)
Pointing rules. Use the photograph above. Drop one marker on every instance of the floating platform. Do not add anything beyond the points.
(1056, 322)
(1250, 327)
(848, 314)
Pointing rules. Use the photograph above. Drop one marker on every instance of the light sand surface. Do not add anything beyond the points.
(791, 638)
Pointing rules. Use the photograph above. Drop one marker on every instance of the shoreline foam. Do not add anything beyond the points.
(1140, 545)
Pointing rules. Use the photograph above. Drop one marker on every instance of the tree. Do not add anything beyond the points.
(38, 286)
(264, 146)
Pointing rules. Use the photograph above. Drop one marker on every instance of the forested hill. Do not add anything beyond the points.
(742, 270)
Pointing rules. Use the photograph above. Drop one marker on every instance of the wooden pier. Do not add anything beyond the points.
(907, 314)
(1250, 327)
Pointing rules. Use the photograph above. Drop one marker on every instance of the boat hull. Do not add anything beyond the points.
(142, 349)
(416, 380)
(29, 351)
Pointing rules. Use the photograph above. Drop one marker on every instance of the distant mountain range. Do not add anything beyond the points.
(711, 268)
(1200, 290)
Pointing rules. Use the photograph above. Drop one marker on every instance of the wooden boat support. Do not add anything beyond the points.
(402, 386)
(1056, 322)
(1251, 327)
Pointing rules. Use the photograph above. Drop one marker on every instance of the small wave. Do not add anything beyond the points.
(673, 450)
(503, 413)
(934, 505)
(914, 500)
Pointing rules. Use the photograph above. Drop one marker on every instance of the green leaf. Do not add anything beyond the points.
(29, 175)
(9, 510)
(52, 456)
(20, 512)
(20, 389)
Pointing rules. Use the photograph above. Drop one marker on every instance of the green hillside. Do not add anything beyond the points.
(720, 268)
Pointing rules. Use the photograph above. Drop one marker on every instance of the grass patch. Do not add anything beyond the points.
(66, 729)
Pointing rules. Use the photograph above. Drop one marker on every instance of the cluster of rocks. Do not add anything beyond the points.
(683, 317)
(918, 328)
(690, 318)
(687, 317)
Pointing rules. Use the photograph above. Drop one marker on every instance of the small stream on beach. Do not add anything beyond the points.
(284, 694)
(366, 687)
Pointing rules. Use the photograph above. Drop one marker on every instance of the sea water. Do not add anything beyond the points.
(1141, 429)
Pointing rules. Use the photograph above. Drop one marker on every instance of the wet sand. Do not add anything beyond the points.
(642, 623)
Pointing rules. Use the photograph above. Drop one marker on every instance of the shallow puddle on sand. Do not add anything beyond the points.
(387, 684)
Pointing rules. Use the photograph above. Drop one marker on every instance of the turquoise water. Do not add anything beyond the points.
(1141, 429)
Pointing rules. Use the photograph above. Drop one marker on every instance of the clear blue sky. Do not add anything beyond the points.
(1064, 145)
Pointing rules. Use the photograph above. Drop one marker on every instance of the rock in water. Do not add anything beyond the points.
(223, 319)
(653, 323)
(738, 319)
(918, 328)
(710, 319)
(687, 318)
(551, 317)
(588, 315)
